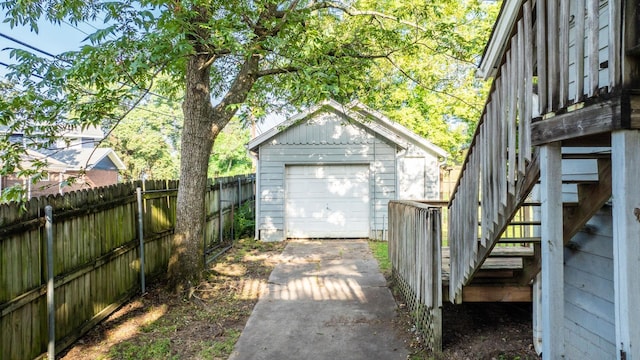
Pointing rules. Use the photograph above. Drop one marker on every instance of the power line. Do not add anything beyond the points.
(34, 48)
(137, 107)
(27, 45)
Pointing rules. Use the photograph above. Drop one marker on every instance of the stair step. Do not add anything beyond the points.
(587, 156)
(522, 223)
(505, 263)
(511, 251)
(519, 240)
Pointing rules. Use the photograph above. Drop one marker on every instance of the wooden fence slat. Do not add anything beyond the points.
(527, 16)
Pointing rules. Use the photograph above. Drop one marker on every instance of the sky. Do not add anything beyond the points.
(57, 39)
(51, 38)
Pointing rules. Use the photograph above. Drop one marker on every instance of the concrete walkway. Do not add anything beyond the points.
(326, 300)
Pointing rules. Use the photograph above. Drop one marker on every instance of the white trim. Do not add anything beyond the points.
(499, 38)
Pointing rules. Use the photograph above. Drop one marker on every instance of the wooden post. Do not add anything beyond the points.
(625, 168)
(552, 252)
(51, 308)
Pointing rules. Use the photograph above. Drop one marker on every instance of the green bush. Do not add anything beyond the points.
(244, 220)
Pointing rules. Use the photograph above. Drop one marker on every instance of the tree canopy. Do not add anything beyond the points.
(245, 58)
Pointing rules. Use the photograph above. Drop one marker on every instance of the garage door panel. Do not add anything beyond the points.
(327, 201)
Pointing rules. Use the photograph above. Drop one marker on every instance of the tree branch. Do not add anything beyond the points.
(277, 71)
(419, 83)
(351, 11)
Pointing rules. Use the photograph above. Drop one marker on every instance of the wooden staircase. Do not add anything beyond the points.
(505, 269)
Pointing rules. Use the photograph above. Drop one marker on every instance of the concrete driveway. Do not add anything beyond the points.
(326, 300)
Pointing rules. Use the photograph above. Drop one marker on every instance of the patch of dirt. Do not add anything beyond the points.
(163, 325)
(475, 331)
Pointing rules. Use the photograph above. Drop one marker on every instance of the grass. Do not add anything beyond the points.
(380, 251)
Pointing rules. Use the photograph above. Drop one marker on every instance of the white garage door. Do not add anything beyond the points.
(328, 201)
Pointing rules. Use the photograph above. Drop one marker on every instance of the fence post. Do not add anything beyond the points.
(239, 191)
(51, 349)
(141, 237)
(220, 211)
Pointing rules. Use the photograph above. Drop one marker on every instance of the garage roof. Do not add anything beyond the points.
(360, 114)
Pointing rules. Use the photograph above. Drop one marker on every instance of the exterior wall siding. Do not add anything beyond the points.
(589, 291)
(325, 139)
(603, 48)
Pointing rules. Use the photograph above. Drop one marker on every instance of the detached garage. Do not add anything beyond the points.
(329, 172)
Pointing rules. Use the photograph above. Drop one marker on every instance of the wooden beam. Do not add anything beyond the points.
(589, 120)
(626, 240)
(496, 293)
(634, 111)
(531, 266)
(591, 197)
(552, 251)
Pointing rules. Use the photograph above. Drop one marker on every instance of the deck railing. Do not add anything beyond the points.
(415, 252)
(556, 48)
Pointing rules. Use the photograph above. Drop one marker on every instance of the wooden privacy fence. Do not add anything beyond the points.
(96, 261)
(415, 254)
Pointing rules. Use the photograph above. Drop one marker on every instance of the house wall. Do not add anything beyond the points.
(328, 138)
(589, 291)
(603, 48)
(91, 179)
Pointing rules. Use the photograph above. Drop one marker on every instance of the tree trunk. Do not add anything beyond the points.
(202, 123)
(187, 258)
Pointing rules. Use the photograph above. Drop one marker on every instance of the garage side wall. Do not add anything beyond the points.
(589, 291)
(324, 139)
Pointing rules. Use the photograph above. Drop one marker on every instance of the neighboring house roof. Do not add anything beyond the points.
(78, 159)
(91, 131)
(360, 114)
(52, 164)
(497, 43)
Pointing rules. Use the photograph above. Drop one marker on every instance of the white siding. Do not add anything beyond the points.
(589, 302)
(603, 45)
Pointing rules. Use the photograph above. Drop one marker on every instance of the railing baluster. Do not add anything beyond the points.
(563, 70)
(522, 114)
(514, 85)
(527, 16)
(541, 45)
(553, 73)
(615, 26)
(593, 24)
(579, 26)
